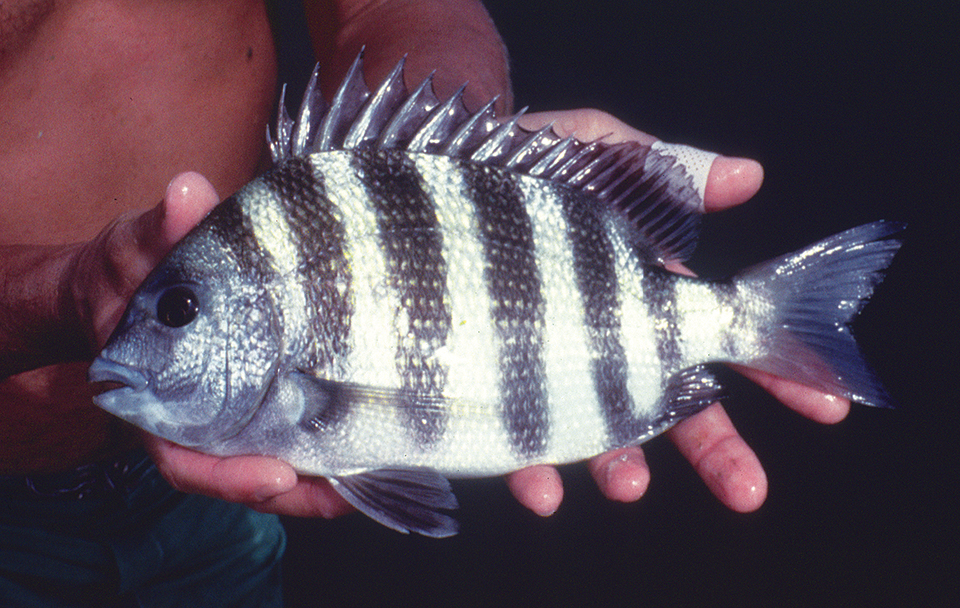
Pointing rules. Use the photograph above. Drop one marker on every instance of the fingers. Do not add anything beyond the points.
(820, 407)
(621, 475)
(237, 479)
(242, 479)
(726, 463)
(538, 488)
(311, 497)
(723, 460)
(586, 125)
(262, 483)
(730, 180)
(137, 243)
(110, 267)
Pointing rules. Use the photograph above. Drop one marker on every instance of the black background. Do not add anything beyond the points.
(852, 112)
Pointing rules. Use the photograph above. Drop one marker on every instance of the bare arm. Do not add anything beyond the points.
(34, 329)
(454, 37)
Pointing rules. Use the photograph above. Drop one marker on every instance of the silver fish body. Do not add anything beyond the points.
(415, 293)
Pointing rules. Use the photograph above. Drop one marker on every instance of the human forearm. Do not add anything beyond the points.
(35, 319)
(60, 303)
(454, 37)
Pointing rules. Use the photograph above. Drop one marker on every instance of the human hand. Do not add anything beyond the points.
(707, 440)
(109, 269)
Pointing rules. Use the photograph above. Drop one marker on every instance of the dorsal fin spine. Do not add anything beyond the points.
(378, 109)
(571, 167)
(280, 148)
(409, 116)
(529, 147)
(548, 163)
(495, 147)
(344, 109)
(440, 117)
(472, 129)
(592, 175)
(649, 191)
(312, 105)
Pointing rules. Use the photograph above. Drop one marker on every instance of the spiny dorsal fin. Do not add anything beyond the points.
(651, 191)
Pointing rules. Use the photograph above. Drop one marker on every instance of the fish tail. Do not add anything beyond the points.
(813, 295)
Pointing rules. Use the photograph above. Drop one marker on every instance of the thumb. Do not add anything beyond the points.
(111, 266)
(189, 197)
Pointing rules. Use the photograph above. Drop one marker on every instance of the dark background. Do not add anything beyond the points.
(852, 112)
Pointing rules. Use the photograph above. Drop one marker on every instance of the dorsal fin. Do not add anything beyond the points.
(650, 191)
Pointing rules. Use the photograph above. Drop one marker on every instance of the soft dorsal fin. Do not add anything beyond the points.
(650, 191)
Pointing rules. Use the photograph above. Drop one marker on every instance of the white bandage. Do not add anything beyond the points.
(695, 161)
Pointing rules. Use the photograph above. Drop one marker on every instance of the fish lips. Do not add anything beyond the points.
(127, 393)
(121, 384)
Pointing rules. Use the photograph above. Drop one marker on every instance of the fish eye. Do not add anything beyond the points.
(178, 306)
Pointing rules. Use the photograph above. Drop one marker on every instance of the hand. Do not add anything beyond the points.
(262, 483)
(110, 268)
(708, 440)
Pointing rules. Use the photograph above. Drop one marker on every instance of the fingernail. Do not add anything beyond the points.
(626, 477)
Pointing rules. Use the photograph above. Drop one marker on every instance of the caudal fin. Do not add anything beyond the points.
(815, 294)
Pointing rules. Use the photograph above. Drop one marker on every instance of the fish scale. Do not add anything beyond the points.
(415, 292)
(311, 217)
(411, 240)
(514, 286)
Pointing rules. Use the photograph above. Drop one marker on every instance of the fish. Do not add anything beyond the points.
(415, 292)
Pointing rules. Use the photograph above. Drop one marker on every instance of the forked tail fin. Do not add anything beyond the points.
(815, 294)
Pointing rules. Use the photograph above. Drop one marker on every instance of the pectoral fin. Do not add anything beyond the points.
(403, 499)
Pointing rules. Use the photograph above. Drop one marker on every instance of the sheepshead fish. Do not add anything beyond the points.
(415, 292)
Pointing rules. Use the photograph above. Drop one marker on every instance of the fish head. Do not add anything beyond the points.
(194, 354)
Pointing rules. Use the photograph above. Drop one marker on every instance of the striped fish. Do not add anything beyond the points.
(415, 292)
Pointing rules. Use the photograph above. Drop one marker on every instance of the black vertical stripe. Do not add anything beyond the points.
(230, 226)
(412, 240)
(594, 264)
(513, 282)
(660, 296)
(324, 271)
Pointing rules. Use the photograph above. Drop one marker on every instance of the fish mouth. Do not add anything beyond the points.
(108, 376)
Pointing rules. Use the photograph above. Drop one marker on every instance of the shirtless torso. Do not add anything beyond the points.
(102, 102)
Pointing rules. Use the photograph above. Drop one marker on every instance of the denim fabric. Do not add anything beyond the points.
(131, 540)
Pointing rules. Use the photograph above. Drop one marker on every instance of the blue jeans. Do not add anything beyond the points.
(119, 535)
